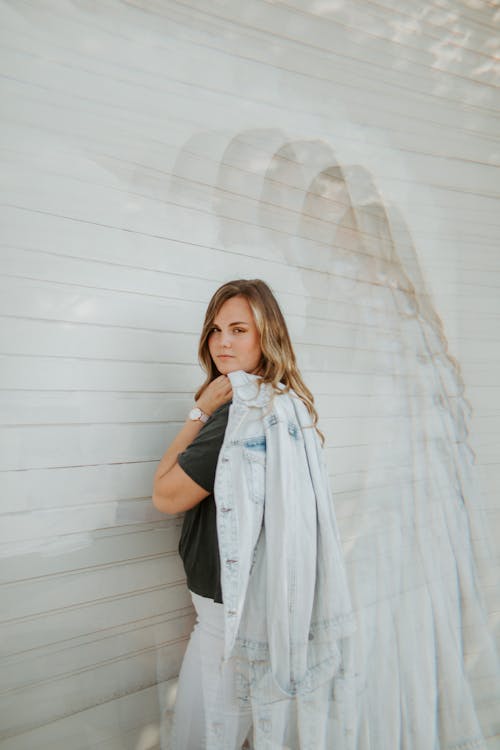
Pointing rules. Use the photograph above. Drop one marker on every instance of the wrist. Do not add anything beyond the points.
(198, 414)
(205, 409)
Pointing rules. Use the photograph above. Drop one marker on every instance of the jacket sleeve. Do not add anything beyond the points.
(290, 524)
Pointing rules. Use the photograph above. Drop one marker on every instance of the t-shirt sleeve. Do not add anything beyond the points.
(199, 459)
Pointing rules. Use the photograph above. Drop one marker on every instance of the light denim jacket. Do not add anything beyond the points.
(284, 585)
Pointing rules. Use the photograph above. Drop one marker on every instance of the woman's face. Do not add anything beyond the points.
(234, 341)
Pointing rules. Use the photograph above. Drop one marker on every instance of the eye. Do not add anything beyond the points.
(241, 330)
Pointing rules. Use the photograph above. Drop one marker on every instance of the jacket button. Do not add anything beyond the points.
(224, 459)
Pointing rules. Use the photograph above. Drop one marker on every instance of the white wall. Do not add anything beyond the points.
(151, 151)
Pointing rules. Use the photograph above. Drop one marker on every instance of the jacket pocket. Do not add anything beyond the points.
(254, 454)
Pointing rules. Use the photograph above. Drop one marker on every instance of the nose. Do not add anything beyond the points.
(225, 340)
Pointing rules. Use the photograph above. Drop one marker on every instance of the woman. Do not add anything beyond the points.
(244, 333)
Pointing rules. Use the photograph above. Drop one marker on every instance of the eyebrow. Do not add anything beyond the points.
(236, 323)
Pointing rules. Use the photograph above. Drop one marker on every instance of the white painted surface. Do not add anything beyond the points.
(151, 151)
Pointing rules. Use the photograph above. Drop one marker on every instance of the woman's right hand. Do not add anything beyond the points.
(218, 392)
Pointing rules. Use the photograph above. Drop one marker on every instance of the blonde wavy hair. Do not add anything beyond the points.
(278, 362)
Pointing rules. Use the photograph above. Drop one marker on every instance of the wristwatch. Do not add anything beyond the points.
(197, 414)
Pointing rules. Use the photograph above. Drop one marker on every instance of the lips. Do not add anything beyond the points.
(225, 356)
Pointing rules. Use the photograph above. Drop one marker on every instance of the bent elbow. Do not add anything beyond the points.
(163, 503)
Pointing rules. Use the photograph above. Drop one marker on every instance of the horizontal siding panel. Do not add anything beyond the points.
(50, 301)
(28, 408)
(76, 521)
(102, 339)
(68, 445)
(177, 250)
(306, 58)
(41, 489)
(52, 408)
(43, 666)
(101, 727)
(106, 546)
(90, 687)
(36, 597)
(67, 374)
(83, 272)
(85, 622)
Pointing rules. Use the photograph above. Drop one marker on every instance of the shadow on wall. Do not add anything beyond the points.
(407, 502)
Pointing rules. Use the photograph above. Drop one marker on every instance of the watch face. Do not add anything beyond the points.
(195, 413)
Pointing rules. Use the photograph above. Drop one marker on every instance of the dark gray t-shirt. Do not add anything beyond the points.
(198, 545)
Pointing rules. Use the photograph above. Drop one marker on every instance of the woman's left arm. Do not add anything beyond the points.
(173, 490)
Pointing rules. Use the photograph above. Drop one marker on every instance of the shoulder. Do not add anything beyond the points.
(218, 417)
(290, 410)
(288, 402)
(215, 425)
(199, 458)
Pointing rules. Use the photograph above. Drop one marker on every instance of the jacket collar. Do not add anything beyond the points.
(240, 377)
(249, 388)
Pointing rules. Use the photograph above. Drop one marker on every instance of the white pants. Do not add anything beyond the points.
(204, 682)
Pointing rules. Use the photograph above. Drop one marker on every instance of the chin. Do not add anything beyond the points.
(225, 367)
